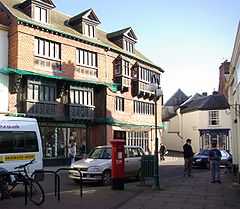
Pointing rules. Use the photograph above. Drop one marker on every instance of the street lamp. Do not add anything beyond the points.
(154, 87)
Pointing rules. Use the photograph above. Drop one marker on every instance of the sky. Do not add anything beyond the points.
(188, 39)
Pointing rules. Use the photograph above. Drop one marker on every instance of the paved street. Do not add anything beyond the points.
(177, 192)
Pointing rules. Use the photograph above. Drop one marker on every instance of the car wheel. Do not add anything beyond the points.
(208, 165)
(139, 175)
(106, 178)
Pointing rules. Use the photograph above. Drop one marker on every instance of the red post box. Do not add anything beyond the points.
(118, 173)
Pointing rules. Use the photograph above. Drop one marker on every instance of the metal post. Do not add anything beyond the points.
(156, 161)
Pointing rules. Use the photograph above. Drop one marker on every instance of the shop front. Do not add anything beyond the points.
(218, 136)
(56, 138)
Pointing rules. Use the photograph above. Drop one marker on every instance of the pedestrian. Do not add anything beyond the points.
(72, 150)
(188, 156)
(215, 158)
(163, 151)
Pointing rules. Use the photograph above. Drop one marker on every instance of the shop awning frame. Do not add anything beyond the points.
(8, 71)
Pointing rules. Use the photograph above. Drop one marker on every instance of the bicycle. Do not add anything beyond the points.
(21, 176)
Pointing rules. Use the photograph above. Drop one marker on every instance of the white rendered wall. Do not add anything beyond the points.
(3, 63)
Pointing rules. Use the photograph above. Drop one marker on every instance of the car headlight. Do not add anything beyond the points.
(198, 160)
(94, 169)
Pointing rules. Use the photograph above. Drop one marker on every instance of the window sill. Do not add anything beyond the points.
(42, 102)
(47, 58)
(87, 66)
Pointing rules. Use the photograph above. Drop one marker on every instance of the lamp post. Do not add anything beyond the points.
(154, 87)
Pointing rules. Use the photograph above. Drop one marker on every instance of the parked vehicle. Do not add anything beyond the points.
(20, 142)
(201, 159)
(97, 167)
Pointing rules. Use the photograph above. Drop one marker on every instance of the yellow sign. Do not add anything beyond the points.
(16, 157)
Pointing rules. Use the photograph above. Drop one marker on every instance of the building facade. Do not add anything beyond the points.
(203, 119)
(234, 101)
(4, 79)
(81, 83)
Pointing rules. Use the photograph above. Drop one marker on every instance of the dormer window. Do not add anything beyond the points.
(39, 10)
(128, 46)
(89, 30)
(126, 39)
(85, 23)
(40, 14)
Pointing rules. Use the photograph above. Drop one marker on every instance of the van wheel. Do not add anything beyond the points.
(76, 181)
(106, 178)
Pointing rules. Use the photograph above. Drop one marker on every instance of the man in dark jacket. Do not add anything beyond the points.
(188, 155)
(215, 158)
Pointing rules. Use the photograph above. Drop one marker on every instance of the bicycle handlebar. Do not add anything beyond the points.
(25, 165)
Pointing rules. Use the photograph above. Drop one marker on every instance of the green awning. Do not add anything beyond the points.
(7, 70)
(113, 122)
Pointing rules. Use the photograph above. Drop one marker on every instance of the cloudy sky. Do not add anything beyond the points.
(189, 39)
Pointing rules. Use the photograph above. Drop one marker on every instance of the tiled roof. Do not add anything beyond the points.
(212, 102)
(58, 24)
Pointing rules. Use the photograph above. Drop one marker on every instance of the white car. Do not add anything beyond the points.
(97, 167)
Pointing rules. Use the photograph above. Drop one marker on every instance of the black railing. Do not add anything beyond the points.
(81, 112)
(40, 109)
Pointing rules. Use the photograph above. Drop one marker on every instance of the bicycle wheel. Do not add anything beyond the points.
(36, 193)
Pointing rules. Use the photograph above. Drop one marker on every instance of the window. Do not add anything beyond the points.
(119, 104)
(89, 30)
(126, 68)
(213, 118)
(143, 108)
(81, 96)
(128, 46)
(148, 75)
(41, 92)
(18, 142)
(87, 58)
(41, 14)
(138, 138)
(48, 49)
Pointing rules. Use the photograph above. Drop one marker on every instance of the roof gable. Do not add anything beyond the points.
(127, 32)
(177, 99)
(87, 15)
(47, 3)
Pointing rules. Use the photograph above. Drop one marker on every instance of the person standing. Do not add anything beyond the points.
(72, 150)
(162, 151)
(215, 158)
(188, 155)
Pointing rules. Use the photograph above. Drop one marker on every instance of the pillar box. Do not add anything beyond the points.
(118, 173)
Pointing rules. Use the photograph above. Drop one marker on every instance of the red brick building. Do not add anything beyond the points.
(79, 82)
(223, 74)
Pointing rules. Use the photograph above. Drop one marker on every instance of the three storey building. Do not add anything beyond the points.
(80, 82)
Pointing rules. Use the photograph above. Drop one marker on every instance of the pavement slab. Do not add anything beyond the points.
(177, 192)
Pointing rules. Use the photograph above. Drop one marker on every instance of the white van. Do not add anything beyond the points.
(20, 142)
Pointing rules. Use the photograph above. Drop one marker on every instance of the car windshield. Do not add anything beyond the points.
(101, 153)
(204, 152)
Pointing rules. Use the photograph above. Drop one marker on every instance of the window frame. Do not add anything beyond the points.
(213, 118)
(119, 104)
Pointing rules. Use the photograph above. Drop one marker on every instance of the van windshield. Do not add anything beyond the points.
(101, 153)
(18, 142)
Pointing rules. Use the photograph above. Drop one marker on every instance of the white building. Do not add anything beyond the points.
(4, 80)
(202, 118)
(234, 101)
